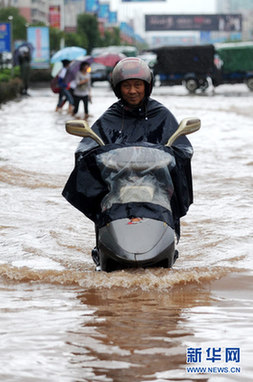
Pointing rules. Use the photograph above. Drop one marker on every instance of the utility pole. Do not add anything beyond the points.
(62, 43)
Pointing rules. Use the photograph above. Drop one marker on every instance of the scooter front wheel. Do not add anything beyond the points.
(104, 263)
(168, 263)
(108, 265)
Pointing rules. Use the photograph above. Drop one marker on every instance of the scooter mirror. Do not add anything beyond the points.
(82, 129)
(186, 126)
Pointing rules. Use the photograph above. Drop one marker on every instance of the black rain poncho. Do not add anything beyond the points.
(148, 126)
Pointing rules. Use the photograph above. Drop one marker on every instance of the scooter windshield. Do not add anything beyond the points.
(136, 174)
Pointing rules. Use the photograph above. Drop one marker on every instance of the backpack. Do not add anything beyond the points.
(54, 84)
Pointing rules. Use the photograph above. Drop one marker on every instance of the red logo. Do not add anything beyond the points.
(135, 221)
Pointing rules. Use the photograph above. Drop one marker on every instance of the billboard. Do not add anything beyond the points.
(39, 38)
(113, 17)
(218, 22)
(127, 29)
(5, 37)
(103, 11)
(91, 6)
(165, 40)
(55, 16)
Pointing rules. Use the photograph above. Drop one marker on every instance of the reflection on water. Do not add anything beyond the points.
(60, 320)
(118, 334)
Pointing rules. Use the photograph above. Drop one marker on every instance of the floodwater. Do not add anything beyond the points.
(62, 321)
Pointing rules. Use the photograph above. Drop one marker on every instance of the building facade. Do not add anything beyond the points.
(245, 7)
(32, 10)
(35, 11)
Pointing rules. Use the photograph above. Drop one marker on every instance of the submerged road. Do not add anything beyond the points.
(62, 321)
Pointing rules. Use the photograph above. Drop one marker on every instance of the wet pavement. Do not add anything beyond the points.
(61, 320)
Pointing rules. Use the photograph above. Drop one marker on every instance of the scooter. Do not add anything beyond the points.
(139, 231)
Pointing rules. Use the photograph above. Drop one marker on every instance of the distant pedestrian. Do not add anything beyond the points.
(64, 88)
(82, 91)
(71, 87)
(24, 61)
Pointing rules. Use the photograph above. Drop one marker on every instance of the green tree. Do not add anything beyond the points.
(74, 39)
(115, 36)
(87, 29)
(55, 36)
(111, 37)
(18, 22)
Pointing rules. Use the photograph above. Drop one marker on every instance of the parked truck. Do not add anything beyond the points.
(198, 65)
(236, 61)
(188, 65)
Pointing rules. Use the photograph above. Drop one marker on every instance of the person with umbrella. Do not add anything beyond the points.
(64, 88)
(24, 61)
(82, 91)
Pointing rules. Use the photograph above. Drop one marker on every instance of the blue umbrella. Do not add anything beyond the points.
(68, 53)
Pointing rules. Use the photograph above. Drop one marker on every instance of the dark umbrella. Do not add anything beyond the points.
(22, 47)
(75, 66)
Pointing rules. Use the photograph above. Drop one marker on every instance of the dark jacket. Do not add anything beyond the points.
(152, 123)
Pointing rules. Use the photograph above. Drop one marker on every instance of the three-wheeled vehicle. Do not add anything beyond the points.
(185, 65)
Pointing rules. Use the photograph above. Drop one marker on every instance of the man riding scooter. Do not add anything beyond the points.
(134, 118)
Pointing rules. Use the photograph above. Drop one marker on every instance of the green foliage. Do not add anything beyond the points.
(36, 75)
(111, 37)
(4, 77)
(6, 74)
(38, 24)
(18, 22)
(74, 39)
(115, 35)
(87, 29)
(55, 36)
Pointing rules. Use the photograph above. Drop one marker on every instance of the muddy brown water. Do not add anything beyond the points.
(62, 321)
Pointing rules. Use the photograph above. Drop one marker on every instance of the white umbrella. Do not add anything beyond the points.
(56, 68)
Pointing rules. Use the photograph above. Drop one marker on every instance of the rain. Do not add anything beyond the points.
(61, 319)
(78, 324)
